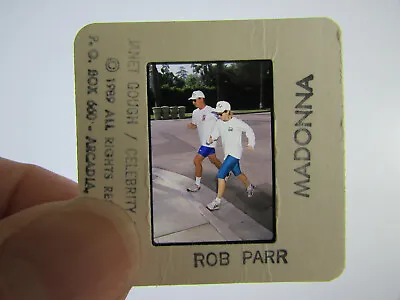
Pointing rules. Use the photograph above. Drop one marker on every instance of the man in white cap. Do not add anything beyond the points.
(204, 120)
(230, 130)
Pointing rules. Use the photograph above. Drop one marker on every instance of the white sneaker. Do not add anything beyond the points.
(214, 205)
(193, 188)
(228, 176)
(250, 190)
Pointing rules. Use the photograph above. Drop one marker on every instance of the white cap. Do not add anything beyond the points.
(197, 94)
(222, 106)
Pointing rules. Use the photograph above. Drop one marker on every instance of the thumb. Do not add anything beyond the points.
(79, 249)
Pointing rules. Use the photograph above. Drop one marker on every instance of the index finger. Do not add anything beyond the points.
(24, 185)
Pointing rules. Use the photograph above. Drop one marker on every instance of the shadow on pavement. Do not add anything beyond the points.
(259, 207)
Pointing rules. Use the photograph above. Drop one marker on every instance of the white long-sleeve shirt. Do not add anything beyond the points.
(205, 122)
(231, 135)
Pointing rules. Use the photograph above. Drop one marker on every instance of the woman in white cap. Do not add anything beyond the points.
(230, 130)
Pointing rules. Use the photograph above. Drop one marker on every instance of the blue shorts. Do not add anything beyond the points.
(230, 164)
(206, 151)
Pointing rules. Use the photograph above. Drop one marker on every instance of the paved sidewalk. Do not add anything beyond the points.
(174, 147)
(181, 216)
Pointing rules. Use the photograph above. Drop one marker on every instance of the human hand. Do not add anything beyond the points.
(55, 245)
(250, 148)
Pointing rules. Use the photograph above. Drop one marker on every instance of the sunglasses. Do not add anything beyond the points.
(220, 114)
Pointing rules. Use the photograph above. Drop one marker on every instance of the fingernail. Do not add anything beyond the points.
(83, 250)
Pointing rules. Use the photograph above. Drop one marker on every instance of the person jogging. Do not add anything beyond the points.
(230, 129)
(203, 119)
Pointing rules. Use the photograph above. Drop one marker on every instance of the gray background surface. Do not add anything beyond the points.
(174, 146)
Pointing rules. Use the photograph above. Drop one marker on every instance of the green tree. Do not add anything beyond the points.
(253, 74)
(207, 73)
(220, 81)
(182, 73)
(166, 78)
(193, 82)
(169, 79)
(154, 84)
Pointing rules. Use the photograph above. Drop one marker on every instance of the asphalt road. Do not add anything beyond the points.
(174, 147)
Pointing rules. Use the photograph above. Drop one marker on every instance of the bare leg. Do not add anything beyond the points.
(215, 161)
(249, 187)
(198, 160)
(220, 193)
(217, 202)
(243, 178)
(221, 187)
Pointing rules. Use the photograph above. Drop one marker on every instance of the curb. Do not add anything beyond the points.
(219, 226)
(201, 199)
